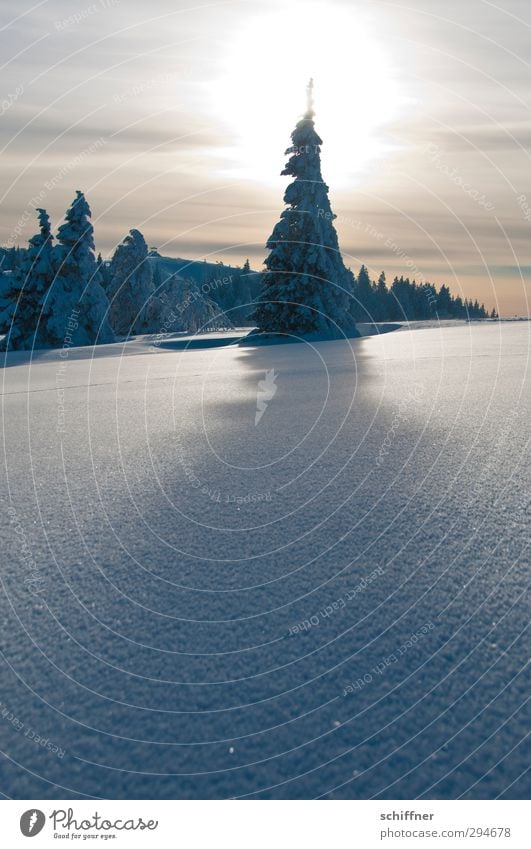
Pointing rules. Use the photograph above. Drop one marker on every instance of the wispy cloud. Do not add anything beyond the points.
(144, 81)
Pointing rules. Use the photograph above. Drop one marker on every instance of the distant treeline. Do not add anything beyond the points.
(407, 300)
(370, 300)
(44, 285)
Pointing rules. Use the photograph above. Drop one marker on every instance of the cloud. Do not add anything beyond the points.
(479, 137)
(141, 78)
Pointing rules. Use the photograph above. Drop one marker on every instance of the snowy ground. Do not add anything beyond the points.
(326, 603)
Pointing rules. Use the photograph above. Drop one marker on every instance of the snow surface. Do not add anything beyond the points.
(162, 554)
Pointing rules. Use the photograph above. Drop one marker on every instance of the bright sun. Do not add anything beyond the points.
(262, 90)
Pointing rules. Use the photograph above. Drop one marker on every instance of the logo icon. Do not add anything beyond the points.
(32, 822)
(267, 389)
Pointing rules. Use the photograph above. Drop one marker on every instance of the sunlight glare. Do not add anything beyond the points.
(261, 93)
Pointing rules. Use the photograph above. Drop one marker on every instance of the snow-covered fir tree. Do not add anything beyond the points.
(306, 287)
(186, 308)
(103, 270)
(10, 258)
(76, 296)
(131, 288)
(365, 304)
(22, 290)
(382, 298)
(235, 290)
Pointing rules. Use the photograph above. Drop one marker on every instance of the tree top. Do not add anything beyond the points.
(309, 100)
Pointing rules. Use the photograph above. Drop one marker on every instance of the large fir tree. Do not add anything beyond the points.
(76, 296)
(306, 288)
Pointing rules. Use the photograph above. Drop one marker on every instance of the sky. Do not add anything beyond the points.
(173, 117)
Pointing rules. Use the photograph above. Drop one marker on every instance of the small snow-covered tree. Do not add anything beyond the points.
(22, 290)
(365, 307)
(103, 270)
(444, 302)
(382, 298)
(131, 288)
(10, 258)
(186, 308)
(77, 289)
(306, 287)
